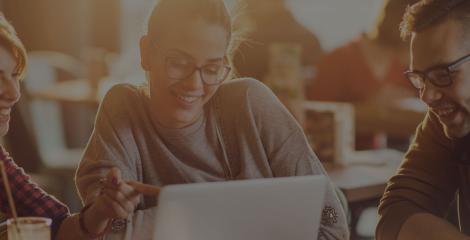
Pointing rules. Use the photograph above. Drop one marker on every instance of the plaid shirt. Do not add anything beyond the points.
(30, 199)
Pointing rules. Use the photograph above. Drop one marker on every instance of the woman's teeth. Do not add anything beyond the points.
(187, 99)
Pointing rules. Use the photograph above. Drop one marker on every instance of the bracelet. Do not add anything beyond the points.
(81, 221)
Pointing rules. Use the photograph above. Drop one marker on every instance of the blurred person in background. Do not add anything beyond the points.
(29, 199)
(187, 125)
(436, 170)
(368, 73)
(269, 22)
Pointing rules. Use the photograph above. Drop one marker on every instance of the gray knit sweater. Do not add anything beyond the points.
(245, 133)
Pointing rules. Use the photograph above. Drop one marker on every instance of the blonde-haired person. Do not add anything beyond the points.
(188, 126)
(116, 197)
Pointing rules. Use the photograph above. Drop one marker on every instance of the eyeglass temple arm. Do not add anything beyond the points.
(459, 62)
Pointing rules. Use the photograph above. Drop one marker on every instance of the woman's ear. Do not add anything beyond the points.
(145, 52)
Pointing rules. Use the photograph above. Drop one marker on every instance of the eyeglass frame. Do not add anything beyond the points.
(450, 68)
(196, 68)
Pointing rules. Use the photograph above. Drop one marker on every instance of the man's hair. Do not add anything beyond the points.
(429, 13)
(386, 30)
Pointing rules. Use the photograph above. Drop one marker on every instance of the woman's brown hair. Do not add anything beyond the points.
(10, 41)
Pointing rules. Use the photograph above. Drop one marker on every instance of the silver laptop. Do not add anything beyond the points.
(262, 209)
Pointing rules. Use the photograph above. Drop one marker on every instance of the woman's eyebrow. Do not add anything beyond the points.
(212, 60)
(187, 55)
(180, 52)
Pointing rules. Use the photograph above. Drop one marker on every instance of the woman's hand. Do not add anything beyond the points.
(118, 200)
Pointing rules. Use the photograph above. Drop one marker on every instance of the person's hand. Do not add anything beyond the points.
(118, 199)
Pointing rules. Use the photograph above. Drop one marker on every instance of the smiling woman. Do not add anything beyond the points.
(12, 69)
(31, 200)
(188, 125)
(177, 94)
(13, 66)
(10, 88)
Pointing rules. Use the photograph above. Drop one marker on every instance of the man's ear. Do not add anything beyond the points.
(145, 52)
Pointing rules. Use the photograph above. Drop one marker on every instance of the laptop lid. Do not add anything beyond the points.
(261, 209)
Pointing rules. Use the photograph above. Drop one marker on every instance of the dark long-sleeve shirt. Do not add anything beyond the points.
(431, 174)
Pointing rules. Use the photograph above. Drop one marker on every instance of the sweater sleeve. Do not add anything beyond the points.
(107, 147)
(112, 145)
(425, 182)
(289, 154)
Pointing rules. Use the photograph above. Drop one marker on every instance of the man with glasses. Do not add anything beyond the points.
(436, 169)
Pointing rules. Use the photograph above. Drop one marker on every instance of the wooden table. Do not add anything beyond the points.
(363, 181)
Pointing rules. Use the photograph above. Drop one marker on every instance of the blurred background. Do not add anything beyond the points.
(335, 64)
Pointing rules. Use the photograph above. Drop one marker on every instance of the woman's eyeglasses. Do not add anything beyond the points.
(179, 68)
